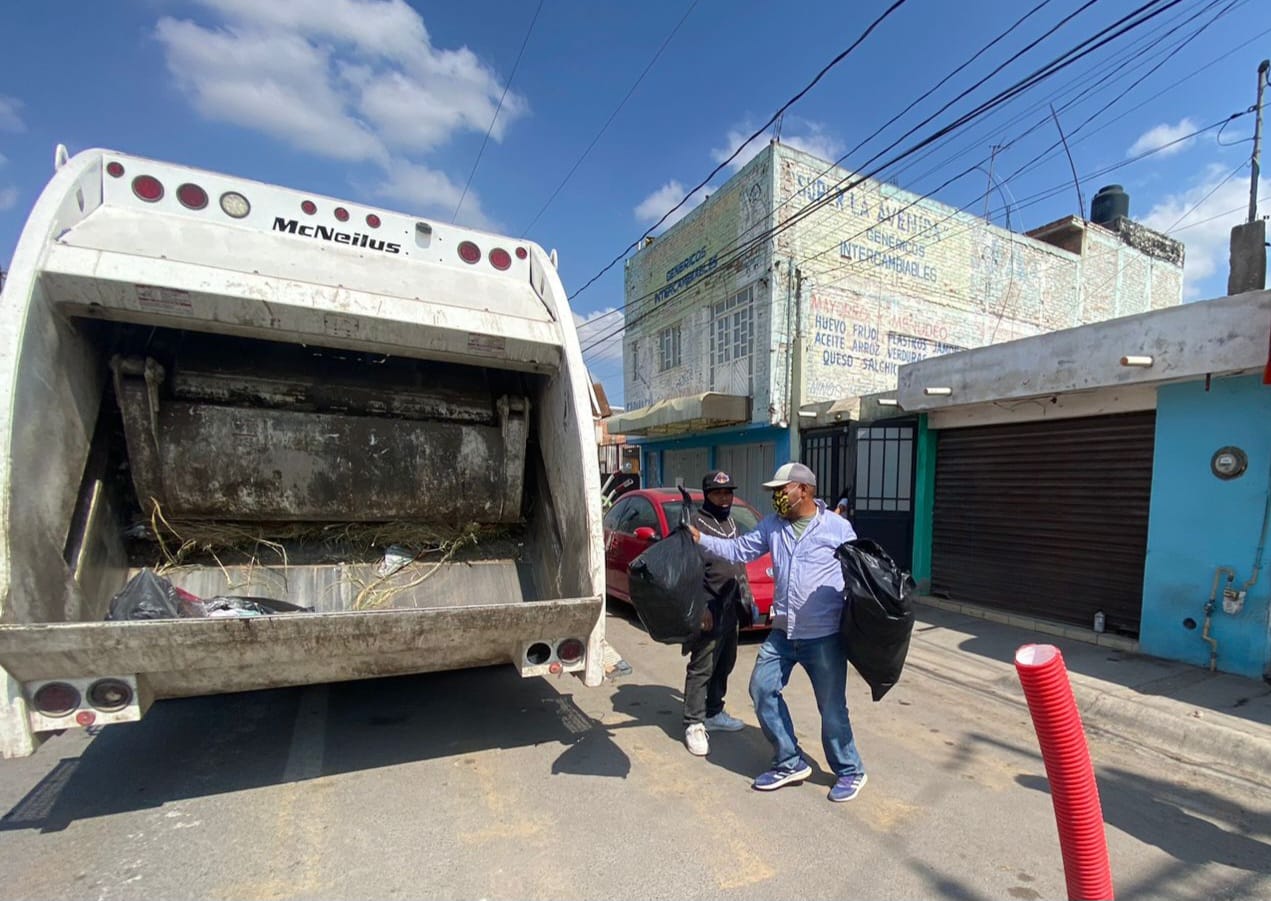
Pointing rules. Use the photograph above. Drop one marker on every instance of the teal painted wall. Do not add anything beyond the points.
(924, 503)
(1199, 522)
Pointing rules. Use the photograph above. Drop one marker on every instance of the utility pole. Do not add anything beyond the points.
(988, 191)
(1248, 270)
(1257, 140)
(796, 367)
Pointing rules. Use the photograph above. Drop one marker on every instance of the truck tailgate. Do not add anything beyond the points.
(209, 656)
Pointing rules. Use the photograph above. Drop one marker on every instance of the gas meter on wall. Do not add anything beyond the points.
(1233, 601)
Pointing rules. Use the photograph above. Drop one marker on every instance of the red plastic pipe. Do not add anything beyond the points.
(1068, 768)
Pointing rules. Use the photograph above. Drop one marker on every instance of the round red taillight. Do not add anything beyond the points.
(309, 207)
(192, 197)
(342, 214)
(521, 253)
(115, 169)
(109, 695)
(86, 717)
(469, 252)
(56, 699)
(500, 259)
(372, 220)
(570, 651)
(147, 187)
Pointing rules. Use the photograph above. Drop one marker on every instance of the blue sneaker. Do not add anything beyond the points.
(774, 779)
(848, 787)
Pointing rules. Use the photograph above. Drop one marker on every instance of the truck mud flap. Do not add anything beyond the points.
(185, 657)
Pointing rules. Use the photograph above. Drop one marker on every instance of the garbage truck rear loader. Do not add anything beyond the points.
(258, 392)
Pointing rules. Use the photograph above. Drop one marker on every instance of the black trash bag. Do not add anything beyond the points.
(236, 605)
(878, 618)
(668, 585)
(151, 596)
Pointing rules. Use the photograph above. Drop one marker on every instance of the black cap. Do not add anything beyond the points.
(717, 479)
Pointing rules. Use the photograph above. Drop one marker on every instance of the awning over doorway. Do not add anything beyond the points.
(681, 415)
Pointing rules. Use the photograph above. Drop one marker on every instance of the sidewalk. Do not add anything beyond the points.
(1182, 711)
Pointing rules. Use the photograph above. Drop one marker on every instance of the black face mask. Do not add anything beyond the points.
(715, 510)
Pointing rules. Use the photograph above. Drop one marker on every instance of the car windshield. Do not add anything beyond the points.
(743, 515)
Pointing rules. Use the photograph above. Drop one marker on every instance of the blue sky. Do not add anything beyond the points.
(388, 102)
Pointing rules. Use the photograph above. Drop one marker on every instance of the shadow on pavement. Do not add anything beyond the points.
(1235, 696)
(1192, 826)
(195, 747)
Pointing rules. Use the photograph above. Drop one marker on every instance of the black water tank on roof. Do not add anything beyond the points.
(1109, 203)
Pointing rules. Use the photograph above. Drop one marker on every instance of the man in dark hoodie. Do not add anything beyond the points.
(713, 655)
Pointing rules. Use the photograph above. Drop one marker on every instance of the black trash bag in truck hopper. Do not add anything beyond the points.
(878, 618)
(151, 596)
(668, 584)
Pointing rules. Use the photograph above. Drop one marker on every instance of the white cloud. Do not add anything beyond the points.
(9, 118)
(418, 188)
(802, 134)
(1202, 221)
(8, 198)
(653, 207)
(346, 79)
(604, 329)
(272, 83)
(1161, 135)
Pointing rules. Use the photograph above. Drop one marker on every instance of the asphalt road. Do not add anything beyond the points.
(479, 784)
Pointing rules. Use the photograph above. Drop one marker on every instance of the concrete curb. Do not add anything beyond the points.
(1173, 728)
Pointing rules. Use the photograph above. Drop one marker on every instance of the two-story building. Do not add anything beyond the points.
(797, 285)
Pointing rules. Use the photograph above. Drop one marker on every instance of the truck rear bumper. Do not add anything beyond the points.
(185, 657)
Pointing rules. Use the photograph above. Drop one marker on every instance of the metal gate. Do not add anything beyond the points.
(828, 453)
(1046, 518)
(750, 465)
(684, 467)
(882, 500)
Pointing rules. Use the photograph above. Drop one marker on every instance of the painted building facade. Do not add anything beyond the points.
(1115, 475)
(862, 282)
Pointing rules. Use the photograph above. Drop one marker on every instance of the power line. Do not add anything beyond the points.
(497, 109)
(609, 121)
(1101, 38)
(830, 65)
(1028, 201)
(894, 118)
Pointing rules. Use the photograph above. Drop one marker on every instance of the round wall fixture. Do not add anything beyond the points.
(1228, 462)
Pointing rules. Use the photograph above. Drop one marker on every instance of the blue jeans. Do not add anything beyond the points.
(826, 665)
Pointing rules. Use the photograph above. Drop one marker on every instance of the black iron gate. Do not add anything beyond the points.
(829, 454)
(885, 452)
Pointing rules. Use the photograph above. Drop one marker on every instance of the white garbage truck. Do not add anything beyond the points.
(378, 422)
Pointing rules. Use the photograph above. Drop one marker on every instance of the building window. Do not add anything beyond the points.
(669, 348)
(733, 327)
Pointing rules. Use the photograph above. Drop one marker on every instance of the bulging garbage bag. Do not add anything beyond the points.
(149, 596)
(667, 585)
(878, 617)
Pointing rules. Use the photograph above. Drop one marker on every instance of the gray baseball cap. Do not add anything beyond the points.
(791, 472)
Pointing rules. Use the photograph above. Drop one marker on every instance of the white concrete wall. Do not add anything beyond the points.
(675, 280)
(1223, 336)
(891, 278)
(888, 278)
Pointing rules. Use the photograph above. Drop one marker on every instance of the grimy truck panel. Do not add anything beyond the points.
(183, 345)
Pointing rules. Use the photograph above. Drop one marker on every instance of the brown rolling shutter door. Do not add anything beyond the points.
(1047, 519)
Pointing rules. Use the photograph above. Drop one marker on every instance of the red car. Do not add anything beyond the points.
(641, 517)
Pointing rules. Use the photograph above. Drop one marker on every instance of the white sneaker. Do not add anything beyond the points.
(722, 722)
(696, 739)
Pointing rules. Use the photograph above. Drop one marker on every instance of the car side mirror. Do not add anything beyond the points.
(646, 533)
